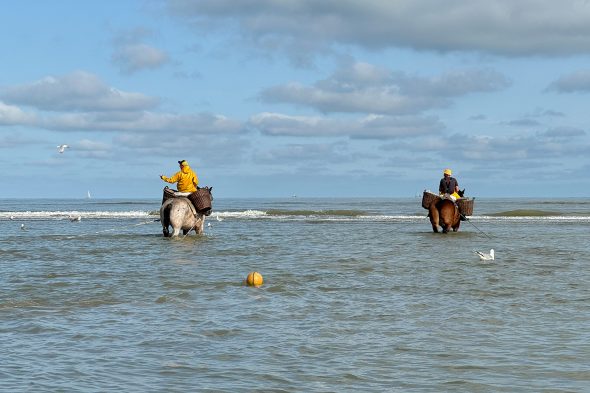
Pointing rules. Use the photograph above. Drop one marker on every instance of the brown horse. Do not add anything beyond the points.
(444, 213)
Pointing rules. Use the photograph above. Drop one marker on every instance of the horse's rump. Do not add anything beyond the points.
(445, 214)
(449, 214)
(447, 208)
(200, 199)
(180, 213)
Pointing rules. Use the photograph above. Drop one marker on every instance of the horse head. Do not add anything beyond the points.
(206, 210)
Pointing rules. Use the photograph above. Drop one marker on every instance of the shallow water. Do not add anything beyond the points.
(358, 294)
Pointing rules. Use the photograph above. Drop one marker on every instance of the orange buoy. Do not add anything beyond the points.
(254, 279)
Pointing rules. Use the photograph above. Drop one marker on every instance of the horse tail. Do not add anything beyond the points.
(165, 215)
(448, 214)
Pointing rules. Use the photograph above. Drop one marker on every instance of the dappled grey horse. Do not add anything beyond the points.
(178, 213)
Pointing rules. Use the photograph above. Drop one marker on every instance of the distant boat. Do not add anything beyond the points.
(88, 195)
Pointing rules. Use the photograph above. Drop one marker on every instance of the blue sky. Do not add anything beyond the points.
(270, 98)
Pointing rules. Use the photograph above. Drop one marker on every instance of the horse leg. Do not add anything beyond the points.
(457, 225)
(165, 217)
(199, 225)
(434, 217)
(456, 219)
(176, 231)
(176, 226)
(444, 218)
(446, 225)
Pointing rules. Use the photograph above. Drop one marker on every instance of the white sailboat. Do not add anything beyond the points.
(88, 195)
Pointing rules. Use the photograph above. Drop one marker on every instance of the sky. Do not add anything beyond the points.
(282, 98)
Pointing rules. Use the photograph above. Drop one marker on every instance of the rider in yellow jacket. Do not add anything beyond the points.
(186, 178)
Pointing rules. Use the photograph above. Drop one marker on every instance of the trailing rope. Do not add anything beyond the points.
(189, 231)
(469, 221)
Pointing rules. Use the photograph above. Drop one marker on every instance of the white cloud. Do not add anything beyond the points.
(519, 151)
(503, 27)
(90, 145)
(131, 54)
(13, 115)
(361, 87)
(370, 127)
(136, 57)
(141, 122)
(88, 148)
(220, 152)
(77, 91)
(14, 140)
(88, 104)
(525, 122)
(307, 153)
(578, 81)
(533, 147)
(81, 102)
(563, 132)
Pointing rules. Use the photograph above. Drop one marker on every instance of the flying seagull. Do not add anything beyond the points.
(62, 148)
(486, 257)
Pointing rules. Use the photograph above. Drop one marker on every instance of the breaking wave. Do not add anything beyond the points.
(65, 215)
(293, 215)
(320, 213)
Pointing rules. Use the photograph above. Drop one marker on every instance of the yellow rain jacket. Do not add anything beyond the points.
(186, 178)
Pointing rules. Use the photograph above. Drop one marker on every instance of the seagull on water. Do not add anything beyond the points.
(486, 257)
(22, 226)
(62, 148)
(12, 217)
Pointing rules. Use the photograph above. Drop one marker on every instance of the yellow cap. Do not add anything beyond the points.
(448, 172)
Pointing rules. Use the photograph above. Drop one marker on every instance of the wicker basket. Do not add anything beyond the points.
(466, 206)
(201, 199)
(428, 198)
(168, 193)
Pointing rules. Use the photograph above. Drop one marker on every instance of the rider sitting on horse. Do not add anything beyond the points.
(186, 178)
(449, 185)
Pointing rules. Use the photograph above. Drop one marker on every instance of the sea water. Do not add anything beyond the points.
(358, 295)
